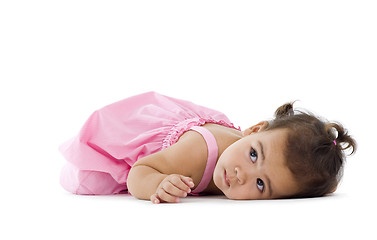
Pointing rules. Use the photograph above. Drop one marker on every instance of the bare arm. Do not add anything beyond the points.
(143, 181)
(167, 175)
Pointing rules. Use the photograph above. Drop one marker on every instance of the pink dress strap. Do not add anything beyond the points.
(212, 158)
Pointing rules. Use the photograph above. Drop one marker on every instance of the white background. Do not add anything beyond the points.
(61, 60)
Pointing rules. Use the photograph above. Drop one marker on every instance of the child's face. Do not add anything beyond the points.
(254, 167)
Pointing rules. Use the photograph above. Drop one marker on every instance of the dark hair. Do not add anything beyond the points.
(314, 150)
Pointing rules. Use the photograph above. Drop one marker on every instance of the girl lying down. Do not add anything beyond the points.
(162, 149)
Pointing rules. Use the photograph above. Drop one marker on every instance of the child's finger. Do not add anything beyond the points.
(154, 199)
(180, 184)
(173, 187)
(166, 197)
(188, 181)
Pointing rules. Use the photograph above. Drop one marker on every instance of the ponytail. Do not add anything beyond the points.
(340, 137)
(284, 110)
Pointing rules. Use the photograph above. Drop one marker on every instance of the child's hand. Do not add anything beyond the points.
(172, 188)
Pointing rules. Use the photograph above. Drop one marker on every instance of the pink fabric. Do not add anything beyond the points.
(213, 153)
(116, 136)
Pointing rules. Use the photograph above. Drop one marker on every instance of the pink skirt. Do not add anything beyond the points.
(100, 157)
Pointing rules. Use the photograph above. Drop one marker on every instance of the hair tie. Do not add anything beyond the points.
(334, 142)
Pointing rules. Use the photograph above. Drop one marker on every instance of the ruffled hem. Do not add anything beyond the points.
(178, 129)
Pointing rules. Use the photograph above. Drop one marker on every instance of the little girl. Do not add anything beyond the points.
(162, 149)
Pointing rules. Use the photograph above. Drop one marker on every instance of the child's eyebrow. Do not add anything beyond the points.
(261, 149)
(263, 158)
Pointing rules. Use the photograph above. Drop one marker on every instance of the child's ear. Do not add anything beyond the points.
(256, 128)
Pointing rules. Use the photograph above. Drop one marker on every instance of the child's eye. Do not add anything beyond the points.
(253, 155)
(260, 184)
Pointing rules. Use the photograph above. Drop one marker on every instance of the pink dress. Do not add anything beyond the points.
(100, 157)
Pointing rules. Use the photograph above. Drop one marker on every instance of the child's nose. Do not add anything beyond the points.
(240, 175)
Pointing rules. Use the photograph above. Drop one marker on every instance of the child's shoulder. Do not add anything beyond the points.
(225, 136)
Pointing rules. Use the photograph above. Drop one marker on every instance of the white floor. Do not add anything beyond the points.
(61, 60)
(60, 215)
